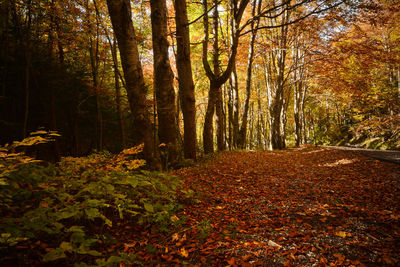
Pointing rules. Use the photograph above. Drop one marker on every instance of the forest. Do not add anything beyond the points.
(112, 110)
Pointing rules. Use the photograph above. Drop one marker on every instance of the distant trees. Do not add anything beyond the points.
(359, 73)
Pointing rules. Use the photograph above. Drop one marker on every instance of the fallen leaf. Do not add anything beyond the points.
(273, 244)
(231, 261)
(174, 218)
(175, 237)
(341, 234)
(184, 253)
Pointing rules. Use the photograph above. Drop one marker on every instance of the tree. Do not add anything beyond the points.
(253, 28)
(163, 79)
(276, 77)
(185, 78)
(120, 14)
(216, 77)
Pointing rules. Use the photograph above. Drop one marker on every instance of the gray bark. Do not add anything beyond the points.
(163, 79)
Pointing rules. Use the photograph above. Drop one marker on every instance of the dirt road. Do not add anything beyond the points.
(385, 155)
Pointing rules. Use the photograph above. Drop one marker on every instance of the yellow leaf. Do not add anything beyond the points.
(341, 234)
(184, 253)
(175, 237)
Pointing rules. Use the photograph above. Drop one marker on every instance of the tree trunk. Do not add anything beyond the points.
(219, 110)
(230, 116)
(208, 142)
(120, 14)
(163, 79)
(186, 85)
(28, 57)
(234, 116)
(243, 127)
(5, 52)
(118, 92)
(94, 63)
(276, 84)
(217, 79)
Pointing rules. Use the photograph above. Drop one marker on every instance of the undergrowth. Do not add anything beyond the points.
(66, 210)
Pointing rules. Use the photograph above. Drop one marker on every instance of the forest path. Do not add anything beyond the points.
(385, 155)
(305, 206)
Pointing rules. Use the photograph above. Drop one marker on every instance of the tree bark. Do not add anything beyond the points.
(253, 27)
(216, 77)
(118, 92)
(163, 79)
(185, 77)
(208, 142)
(233, 109)
(120, 14)
(28, 57)
(218, 100)
(276, 84)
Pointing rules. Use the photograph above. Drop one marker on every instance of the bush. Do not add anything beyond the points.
(62, 205)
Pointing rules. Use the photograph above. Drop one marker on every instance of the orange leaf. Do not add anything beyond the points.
(341, 234)
(231, 261)
(184, 253)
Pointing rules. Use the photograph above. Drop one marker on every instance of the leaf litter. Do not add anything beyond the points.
(309, 206)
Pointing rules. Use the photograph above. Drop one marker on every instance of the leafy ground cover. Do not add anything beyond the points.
(71, 213)
(309, 206)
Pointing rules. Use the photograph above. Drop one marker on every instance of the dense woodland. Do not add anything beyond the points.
(106, 92)
(249, 74)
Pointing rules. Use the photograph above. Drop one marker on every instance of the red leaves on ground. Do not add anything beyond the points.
(294, 207)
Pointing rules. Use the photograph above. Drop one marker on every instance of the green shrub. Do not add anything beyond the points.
(63, 204)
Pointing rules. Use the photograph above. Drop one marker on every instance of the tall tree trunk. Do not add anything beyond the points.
(208, 142)
(296, 98)
(253, 27)
(230, 116)
(185, 77)
(218, 101)
(120, 14)
(299, 77)
(276, 84)
(94, 63)
(163, 79)
(5, 35)
(219, 110)
(28, 58)
(234, 106)
(54, 36)
(118, 92)
(216, 77)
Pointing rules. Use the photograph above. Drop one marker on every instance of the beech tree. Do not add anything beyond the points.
(253, 31)
(163, 79)
(217, 77)
(185, 78)
(120, 14)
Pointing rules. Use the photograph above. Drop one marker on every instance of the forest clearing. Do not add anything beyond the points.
(185, 132)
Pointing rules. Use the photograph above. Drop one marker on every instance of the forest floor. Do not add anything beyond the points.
(310, 206)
